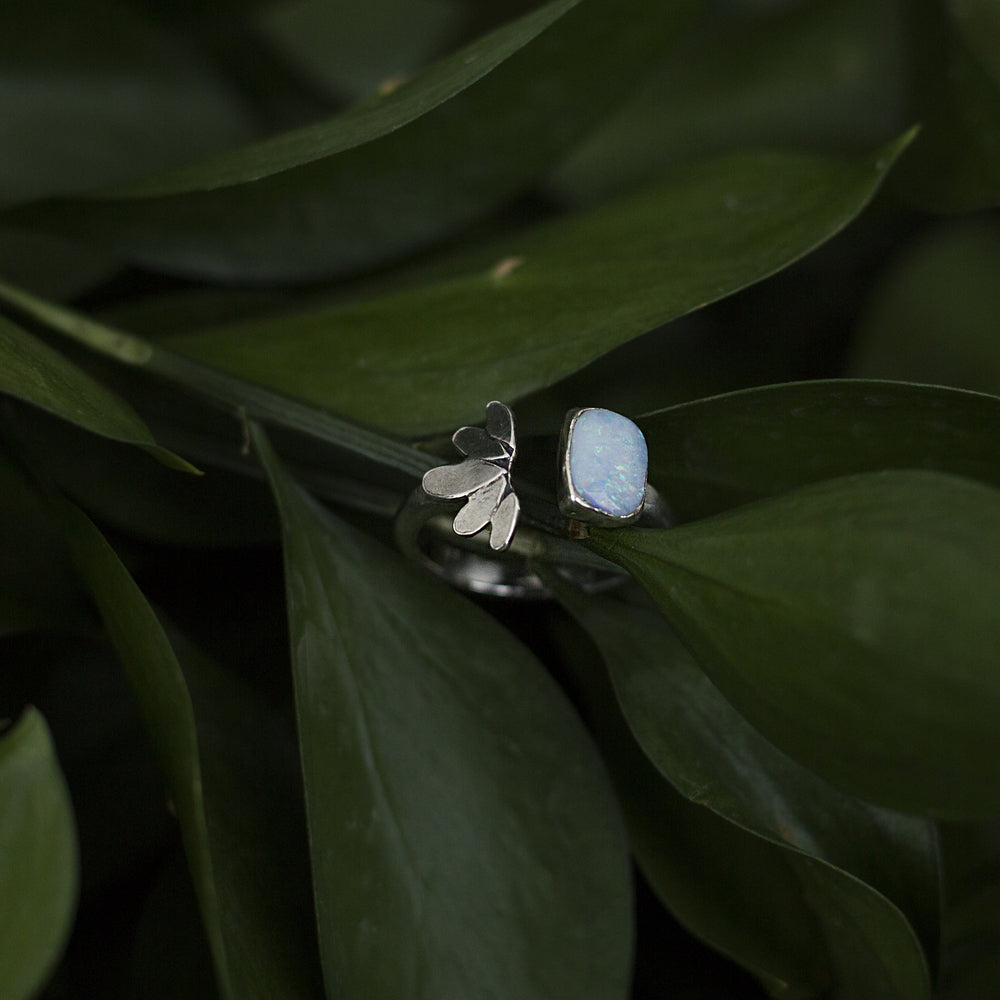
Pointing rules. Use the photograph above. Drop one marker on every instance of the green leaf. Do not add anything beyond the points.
(712, 454)
(226, 775)
(804, 926)
(98, 94)
(38, 858)
(701, 744)
(465, 839)
(821, 76)
(853, 622)
(933, 316)
(562, 295)
(393, 173)
(33, 371)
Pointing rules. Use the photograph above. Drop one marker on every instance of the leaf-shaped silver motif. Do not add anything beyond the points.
(483, 476)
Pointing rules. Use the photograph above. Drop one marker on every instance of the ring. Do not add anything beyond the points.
(602, 481)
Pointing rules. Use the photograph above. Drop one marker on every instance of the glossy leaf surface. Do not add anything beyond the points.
(738, 840)
(38, 857)
(465, 840)
(426, 359)
(221, 756)
(715, 453)
(395, 171)
(853, 622)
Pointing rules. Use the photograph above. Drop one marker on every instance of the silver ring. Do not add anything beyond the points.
(602, 466)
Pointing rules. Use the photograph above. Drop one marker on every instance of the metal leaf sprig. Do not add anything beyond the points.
(483, 476)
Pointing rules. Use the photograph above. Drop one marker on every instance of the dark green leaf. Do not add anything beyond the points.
(33, 371)
(934, 317)
(95, 94)
(716, 453)
(533, 309)
(465, 840)
(38, 858)
(854, 623)
(701, 744)
(803, 926)
(221, 755)
(394, 172)
(824, 76)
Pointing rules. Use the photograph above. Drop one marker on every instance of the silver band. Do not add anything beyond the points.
(443, 524)
(424, 532)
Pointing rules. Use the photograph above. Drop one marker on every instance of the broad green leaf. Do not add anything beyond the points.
(934, 316)
(853, 622)
(38, 858)
(226, 773)
(393, 173)
(33, 371)
(465, 839)
(971, 942)
(96, 94)
(535, 308)
(701, 744)
(715, 453)
(802, 926)
(822, 76)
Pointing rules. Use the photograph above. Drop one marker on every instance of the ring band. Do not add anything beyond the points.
(602, 462)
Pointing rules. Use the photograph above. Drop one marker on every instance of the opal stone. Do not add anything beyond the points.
(607, 462)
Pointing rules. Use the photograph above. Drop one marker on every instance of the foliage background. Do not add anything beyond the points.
(258, 260)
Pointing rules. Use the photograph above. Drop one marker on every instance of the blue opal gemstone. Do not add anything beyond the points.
(607, 462)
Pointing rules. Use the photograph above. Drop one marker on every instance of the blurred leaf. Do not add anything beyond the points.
(955, 164)
(222, 757)
(744, 858)
(825, 76)
(560, 297)
(33, 371)
(972, 919)
(854, 623)
(712, 454)
(935, 316)
(94, 94)
(38, 858)
(465, 841)
(393, 173)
